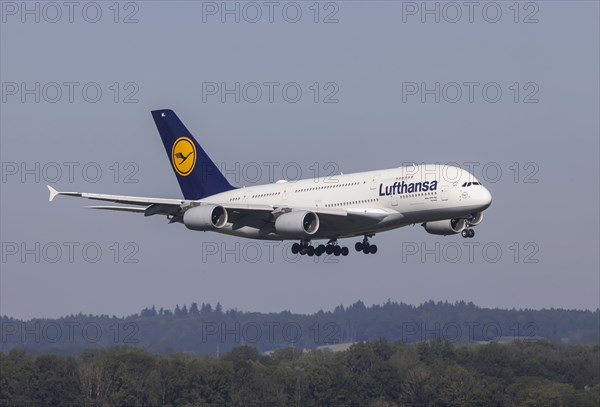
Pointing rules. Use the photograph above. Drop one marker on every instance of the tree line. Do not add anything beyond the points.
(372, 374)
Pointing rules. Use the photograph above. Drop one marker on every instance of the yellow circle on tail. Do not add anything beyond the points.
(183, 156)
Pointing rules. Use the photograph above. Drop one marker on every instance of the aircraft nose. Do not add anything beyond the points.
(486, 198)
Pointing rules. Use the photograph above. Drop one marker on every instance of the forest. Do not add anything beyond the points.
(208, 329)
(371, 374)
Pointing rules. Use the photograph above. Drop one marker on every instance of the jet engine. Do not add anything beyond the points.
(297, 224)
(205, 217)
(446, 227)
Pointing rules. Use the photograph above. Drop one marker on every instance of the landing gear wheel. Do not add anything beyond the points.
(345, 251)
(329, 249)
(303, 250)
(471, 232)
(465, 233)
(320, 250)
(295, 248)
(365, 246)
(337, 250)
(310, 250)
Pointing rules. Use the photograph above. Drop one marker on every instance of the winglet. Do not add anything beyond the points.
(53, 193)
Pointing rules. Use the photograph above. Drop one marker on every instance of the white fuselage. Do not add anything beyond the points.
(394, 197)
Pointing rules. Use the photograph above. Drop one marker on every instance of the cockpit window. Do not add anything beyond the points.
(468, 184)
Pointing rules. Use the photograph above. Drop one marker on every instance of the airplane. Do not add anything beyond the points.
(321, 209)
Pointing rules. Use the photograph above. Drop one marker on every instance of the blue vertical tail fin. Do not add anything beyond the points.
(196, 173)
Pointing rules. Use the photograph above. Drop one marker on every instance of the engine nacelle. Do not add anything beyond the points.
(205, 217)
(445, 227)
(476, 219)
(297, 224)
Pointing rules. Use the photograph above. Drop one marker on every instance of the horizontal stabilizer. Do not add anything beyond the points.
(53, 193)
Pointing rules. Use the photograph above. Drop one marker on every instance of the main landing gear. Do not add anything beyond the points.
(467, 233)
(365, 246)
(304, 247)
(332, 248)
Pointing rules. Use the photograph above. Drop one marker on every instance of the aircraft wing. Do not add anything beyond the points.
(240, 213)
(131, 200)
(152, 205)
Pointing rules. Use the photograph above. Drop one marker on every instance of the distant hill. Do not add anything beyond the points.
(210, 330)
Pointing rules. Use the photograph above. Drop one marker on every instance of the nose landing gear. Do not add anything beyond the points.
(467, 233)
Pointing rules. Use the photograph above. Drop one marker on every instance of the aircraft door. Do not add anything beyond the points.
(247, 196)
(445, 192)
(375, 181)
